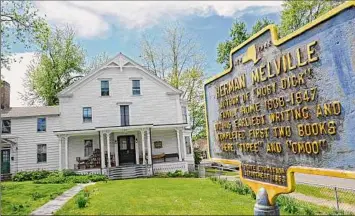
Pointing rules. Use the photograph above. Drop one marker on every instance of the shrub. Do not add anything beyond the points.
(31, 175)
(17, 207)
(97, 178)
(51, 180)
(81, 201)
(197, 156)
(68, 172)
(288, 204)
(54, 195)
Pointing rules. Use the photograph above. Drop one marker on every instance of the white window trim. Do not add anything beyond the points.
(140, 87)
(109, 87)
(82, 114)
(46, 154)
(37, 124)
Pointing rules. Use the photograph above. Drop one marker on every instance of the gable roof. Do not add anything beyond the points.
(16, 112)
(120, 60)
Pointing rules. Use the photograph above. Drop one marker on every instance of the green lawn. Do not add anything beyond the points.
(21, 198)
(163, 196)
(326, 193)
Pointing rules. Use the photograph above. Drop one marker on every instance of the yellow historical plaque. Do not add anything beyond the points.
(287, 105)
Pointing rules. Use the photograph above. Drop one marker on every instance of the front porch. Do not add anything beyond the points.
(162, 148)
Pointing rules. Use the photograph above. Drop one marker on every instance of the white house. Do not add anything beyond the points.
(119, 115)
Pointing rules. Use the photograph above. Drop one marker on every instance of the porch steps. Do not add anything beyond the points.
(129, 171)
(5, 177)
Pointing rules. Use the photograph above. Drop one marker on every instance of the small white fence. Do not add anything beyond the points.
(91, 171)
(170, 167)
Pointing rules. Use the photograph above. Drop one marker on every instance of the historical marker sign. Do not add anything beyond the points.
(287, 102)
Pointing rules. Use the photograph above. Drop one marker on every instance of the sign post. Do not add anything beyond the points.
(287, 105)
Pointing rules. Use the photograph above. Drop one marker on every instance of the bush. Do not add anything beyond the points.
(31, 175)
(68, 172)
(82, 201)
(197, 156)
(236, 186)
(61, 179)
(288, 204)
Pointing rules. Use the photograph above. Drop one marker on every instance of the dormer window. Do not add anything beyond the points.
(105, 88)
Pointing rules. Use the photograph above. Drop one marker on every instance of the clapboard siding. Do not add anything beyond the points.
(154, 106)
(28, 139)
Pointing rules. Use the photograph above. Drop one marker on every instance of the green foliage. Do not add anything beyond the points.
(68, 172)
(82, 201)
(235, 186)
(197, 156)
(177, 174)
(238, 34)
(30, 175)
(20, 23)
(296, 14)
(288, 204)
(60, 63)
(61, 179)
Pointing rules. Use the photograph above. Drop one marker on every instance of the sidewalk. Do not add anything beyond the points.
(54, 205)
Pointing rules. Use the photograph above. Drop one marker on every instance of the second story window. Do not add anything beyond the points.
(124, 115)
(105, 88)
(6, 126)
(184, 114)
(41, 125)
(87, 114)
(136, 87)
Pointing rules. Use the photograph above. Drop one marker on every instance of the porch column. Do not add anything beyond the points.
(108, 149)
(149, 149)
(102, 150)
(60, 151)
(143, 147)
(116, 154)
(66, 151)
(137, 150)
(178, 142)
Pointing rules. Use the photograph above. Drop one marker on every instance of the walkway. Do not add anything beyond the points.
(54, 205)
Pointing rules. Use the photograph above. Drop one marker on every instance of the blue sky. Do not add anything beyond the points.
(114, 27)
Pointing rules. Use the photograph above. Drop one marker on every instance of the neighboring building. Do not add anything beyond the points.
(120, 114)
(202, 146)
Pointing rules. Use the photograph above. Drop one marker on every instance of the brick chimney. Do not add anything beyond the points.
(5, 95)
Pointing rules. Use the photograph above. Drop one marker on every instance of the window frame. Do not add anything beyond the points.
(136, 91)
(3, 126)
(125, 115)
(188, 144)
(87, 119)
(85, 148)
(104, 89)
(45, 125)
(40, 154)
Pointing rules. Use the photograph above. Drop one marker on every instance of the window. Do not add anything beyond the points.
(87, 114)
(136, 87)
(6, 126)
(41, 153)
(184, 114)
(87, 148)
(124, 115)
(188, 144)
(41, 124)
(105, 88)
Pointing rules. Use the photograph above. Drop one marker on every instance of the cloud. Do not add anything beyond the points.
(93, 19)
(15, 76)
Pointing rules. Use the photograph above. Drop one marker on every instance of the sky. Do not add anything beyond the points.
(117, 26)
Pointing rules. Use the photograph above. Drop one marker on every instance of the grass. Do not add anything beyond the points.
(326, 193)
(169, 196)
(21, 198)
(224, 172)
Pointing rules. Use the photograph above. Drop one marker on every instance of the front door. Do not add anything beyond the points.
(5, 161)
(126, 149)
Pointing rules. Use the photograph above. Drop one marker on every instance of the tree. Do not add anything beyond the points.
(96, 62)
(296, 14)
(59, 64)
(20, 23)
(176, 58)
(238, 34)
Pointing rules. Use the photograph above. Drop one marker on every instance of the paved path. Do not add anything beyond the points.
(322, 202)
(52, 206)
